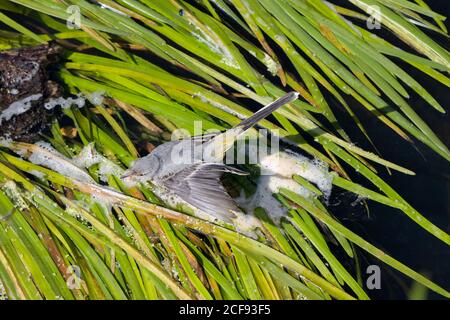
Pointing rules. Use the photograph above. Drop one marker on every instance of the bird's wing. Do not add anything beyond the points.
(200, 186)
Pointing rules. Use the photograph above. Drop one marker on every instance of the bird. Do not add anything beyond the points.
(187, 172)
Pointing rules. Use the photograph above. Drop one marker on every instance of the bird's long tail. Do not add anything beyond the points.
(267, 110)
(216, 148)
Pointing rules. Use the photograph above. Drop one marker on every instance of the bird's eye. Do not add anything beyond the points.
(151, 168)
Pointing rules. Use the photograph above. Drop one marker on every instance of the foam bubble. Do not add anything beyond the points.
(65, 103)
(271, 65)
(278, 169)
(50, 158)
(88, 157)
(19, 107)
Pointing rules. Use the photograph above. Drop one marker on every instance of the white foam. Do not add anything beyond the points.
(108, 168)
(262, 198)
(96, 97)
(11, 190)
(19, 107)
(50, 158)
(271, 65)
(277, 170)
(88, 157)
(246, 224)
(227, 57)
(287, 163)
(66, 103)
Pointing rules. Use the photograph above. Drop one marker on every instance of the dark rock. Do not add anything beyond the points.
(24, 77)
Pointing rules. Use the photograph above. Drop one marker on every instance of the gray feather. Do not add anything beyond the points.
(200, 186)
(267, 110)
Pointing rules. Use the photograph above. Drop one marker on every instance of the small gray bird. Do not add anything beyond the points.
(188, 171)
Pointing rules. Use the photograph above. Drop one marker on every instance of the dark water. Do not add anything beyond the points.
(428, 192)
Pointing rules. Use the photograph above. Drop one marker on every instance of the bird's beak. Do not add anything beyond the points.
(127, 174)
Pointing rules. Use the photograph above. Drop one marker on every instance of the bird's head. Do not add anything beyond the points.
(142, 170)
